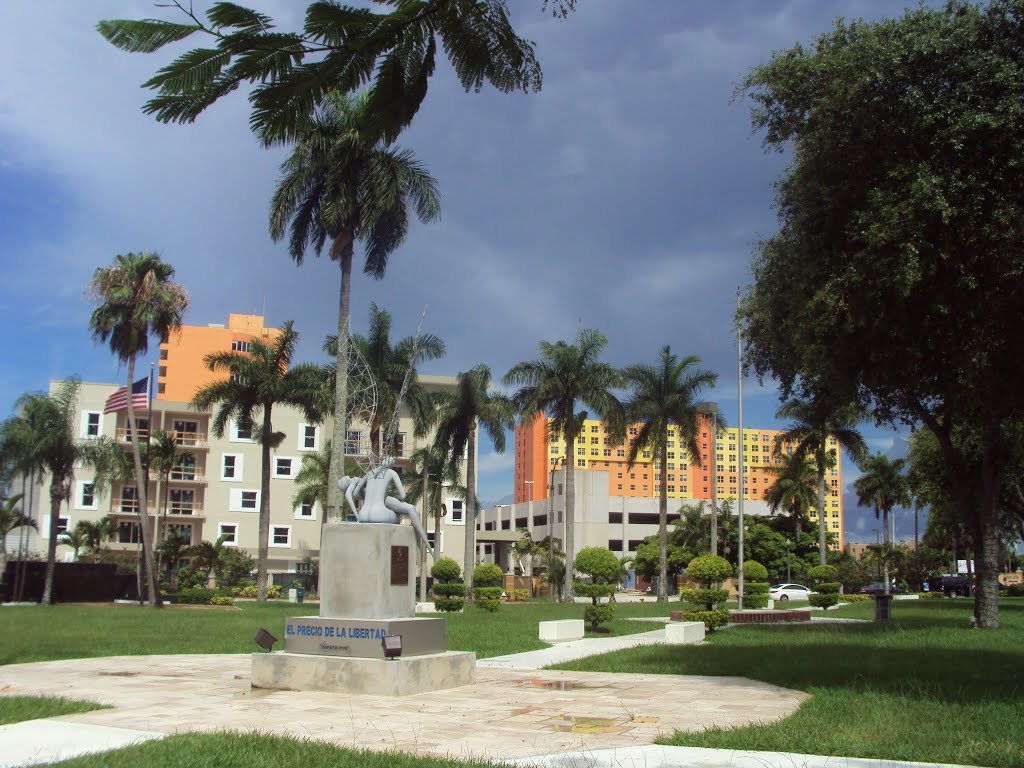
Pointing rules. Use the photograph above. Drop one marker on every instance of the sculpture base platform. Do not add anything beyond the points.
(362, 637)
(404, 676)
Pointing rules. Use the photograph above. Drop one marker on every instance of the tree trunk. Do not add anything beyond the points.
(469, 518)
(141, 496)
(570, 514)
(714, 489)
(341, 250)
(987, 546)
(437, 529)
(822, 523)
(56, 497)
(423, 519)
(885, 550)
(264, 533)
(663, 523)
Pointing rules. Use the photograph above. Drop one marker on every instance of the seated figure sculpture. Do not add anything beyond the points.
(378, 506)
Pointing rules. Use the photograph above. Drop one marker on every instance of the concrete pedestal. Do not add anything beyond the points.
(684, 632)
(367, 570)
(403, 676)
(362, 637)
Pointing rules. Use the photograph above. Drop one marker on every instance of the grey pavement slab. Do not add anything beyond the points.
(657, 756)
(35, 742)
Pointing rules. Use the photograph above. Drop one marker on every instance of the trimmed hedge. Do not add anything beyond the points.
(598, 615)
(487, 598)
(707, 598)
(450, 590)
(488, 575)
(755, 600)
(520, 595)
(710, 569)
(756, 588)
(855, 598)
(826, 600)
(711, 619)
(1015, 590)
(222, 600)
(194, 596)
(448, 604)
(754, 571)
(449, 596)
(445, 570)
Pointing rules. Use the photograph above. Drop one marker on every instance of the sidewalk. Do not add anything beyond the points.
(572, 650)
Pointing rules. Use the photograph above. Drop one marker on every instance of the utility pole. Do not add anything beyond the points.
(739, 447)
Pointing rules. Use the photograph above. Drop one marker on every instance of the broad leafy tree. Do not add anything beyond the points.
(565, 376)
(664, 396)
(883, 486)
(895, 279)
(340, 48)
(255, 382)
(811, 429)
(460, 414)
(136, 299)
(42, 434)
(341, 185)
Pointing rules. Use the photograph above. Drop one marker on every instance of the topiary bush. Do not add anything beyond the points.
(487, 575)
(603, 569)
(596, 615)
(711, 619)
(826, 586)
(710, 570)
(708, 598)
(1014, 590)
(753, 571)
(755, 585)
(449, 595)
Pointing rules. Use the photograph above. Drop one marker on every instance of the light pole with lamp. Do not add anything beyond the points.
(529, 528)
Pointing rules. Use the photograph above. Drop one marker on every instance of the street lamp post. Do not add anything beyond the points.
(529, 528)
(788, 576)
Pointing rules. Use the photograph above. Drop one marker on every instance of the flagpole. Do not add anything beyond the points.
(739, 367)
(144, 517)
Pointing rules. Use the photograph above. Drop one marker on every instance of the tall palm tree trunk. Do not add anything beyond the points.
(341, 249)
(56, 497)
(423, 519)
(140, 485)
(437, 529)
(885, 542)
(263, 550)
(570, 515)
(469, 553)
(663, 525)
(821, 516)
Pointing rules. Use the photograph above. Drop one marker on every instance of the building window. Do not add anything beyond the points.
(87, 496)
(430, 539)
(457, 511)
(229, 532)
(182, 502)
(594, 428)
(280, 535)
(593, 451)
(183, 530)
(353, 442)
(554, 450)
(128, 533)
(92, 424)
(242, 433)
(249, 499)
(241, 346)
(231, 467)
(243, 501)
(582, 463)
(398, 446)
(309, 437)
(129, 499)
(284, 467)
(620, 452)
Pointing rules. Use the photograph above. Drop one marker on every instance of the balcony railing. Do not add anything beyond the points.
(182, 508)
(186, 475)
(192, 508)
(125, 434)
(364, 447)
(190, 439)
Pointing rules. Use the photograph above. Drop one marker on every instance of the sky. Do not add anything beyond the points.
(626, 196)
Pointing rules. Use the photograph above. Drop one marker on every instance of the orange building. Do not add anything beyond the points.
(182, 370)
(537, 452)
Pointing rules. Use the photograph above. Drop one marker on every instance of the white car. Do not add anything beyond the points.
(788, 592)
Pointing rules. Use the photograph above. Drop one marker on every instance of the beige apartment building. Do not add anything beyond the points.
(214, 491)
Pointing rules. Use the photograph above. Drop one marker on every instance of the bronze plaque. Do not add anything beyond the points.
(399, 566)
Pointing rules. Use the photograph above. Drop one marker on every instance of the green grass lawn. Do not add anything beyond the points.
(72, 632)
(16, 709)
(254, 751)
(924, 687)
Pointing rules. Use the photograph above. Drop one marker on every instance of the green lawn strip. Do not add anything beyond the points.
(234, 750)
(17, 709)
(924, 687)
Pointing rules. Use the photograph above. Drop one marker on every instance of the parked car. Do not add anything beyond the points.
(789, 592)
(960, 585)
(878, 588)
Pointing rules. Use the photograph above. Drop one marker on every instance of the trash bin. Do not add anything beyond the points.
(296, 595)
(883, 607)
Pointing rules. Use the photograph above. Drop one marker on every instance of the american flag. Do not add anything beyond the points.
(119, 400)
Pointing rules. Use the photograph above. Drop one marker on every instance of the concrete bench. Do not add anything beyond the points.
(684, 632)
(561, 631)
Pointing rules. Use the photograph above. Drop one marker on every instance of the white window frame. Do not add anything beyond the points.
(430, 536)
(312, 509)
(239, 466)
(85, 425)
(295, 463)
(79, 495)
(67, 524)
(235, 500)
(462, 512)
(234, 438)
(273, 530)
(302, 437)
(220, 532)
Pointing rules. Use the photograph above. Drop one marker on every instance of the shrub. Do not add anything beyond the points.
(707, 598)
(445, 570)
(597, 615)
(448, 604)
(273, 591)
(222, 600)
(929, 595)
(189, 578)
(755, 588)
(450, 590)
(711, 569)
(751, 600)
(858, 598)
(488, 575)
(599, 564)
(487, 598)
(520, 595)
(194, 596)
(754, 571)
(820, 573)
(826, 600)
(828, 588)
(1014, 590)
(711, 619)
(249, 590)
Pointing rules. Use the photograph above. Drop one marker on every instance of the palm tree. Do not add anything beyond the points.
(136, 299)
(75, 538)
(43, 436)
(884, 486)
(794, 488)
(459, 414)
(814, 427)
(342, 184)
(11, 519)
(172, 549)
(432, 476)
(257, 381)
(565, 375)
(95, 534)
(206, 555)
(665, 396)
(164, 457)
(311, 479)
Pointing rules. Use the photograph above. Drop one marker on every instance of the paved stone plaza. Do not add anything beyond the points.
(507, 713)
